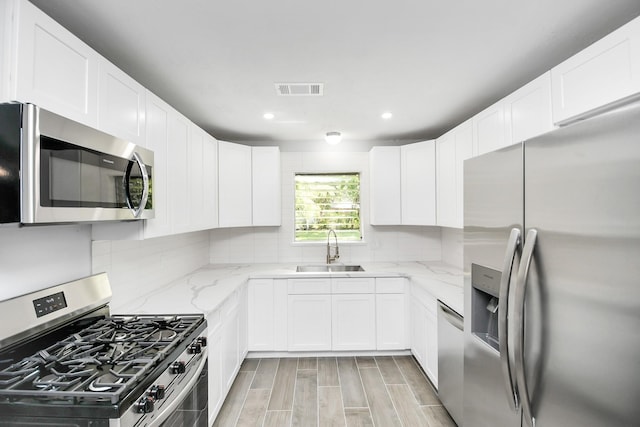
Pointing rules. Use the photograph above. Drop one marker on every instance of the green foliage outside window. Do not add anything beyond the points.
(327, 201)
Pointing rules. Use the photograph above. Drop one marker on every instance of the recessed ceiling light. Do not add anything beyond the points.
(268, 116)
(333, 138)
(386, 115)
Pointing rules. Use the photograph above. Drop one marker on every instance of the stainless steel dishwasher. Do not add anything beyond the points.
(450, 360)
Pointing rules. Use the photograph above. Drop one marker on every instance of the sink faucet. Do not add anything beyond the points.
(337, 253)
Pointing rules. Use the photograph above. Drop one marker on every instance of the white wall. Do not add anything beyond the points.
(275, 244)
(136, 267)
(35, 258)
(453, 246)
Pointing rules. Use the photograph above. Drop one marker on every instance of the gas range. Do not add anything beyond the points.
(66, 359)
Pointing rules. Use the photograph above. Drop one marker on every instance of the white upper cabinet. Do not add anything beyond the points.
(210, 179)
(490, 129)
(520, 115)
(452, 149)
(203, 179)
(403, 184)
(53, 68)
(157, 122)
(266, 186)
(249, 189)
(196, 187)
(384, 187)
(5, 50)
(418, 182)
(178, 173)
(121, 104)
(603, 73)
(528, 110)
(234, 185)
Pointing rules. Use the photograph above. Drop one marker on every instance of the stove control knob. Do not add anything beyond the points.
(157, 392)
(145, 405)
(202, 341)
(177, 367)
(195, 348)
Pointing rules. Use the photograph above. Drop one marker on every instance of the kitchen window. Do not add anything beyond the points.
(324, 202)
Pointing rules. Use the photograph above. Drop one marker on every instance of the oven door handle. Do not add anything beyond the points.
(168, 410)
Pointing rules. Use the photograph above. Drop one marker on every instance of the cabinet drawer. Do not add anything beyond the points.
(390, 285)
(309, 286)
(350, 285)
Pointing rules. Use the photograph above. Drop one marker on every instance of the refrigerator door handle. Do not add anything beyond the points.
(518, 322)
(503, 331)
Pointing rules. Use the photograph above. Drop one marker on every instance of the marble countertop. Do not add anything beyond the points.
(206, 288)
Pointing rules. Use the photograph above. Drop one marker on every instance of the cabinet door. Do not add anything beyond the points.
(266, 187)
(157, 122)
(384, 187)
(243, 325)
(490, 129)
(121, 104)
(234, 185)
(446, 182)
(418, 181)
(431, 362)
(353, 322)
(210, 180)
(178, 162)
(391, 331)
(419, 333)
(309, 322)
(214, 349)
(603, 73)
(261, 315)
(195, 173)
(464, 151)
(529, 110)
(230, 345)
(55, 70)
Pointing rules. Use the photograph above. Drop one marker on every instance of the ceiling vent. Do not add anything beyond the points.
(300, 89)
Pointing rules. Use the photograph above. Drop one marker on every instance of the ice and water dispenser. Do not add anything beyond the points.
(485, 304)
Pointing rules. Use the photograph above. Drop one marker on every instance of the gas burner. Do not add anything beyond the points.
(46, 382)
(105, 382)
(164, 335)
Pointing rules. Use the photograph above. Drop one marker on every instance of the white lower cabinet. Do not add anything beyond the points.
(216, 396)
(391, 322)
(339, 314)
(353, 322)
(424, 331)
(267, 315)
(230, 348)
(309, 322)
(234, 335)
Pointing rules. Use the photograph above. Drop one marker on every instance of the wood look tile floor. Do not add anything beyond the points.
(332, 391)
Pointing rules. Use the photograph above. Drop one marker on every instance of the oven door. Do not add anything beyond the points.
(74, 173)
(191, 406)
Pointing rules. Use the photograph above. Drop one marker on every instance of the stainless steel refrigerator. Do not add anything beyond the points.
(552, 288)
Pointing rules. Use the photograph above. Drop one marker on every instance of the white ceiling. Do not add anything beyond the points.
(432, 63)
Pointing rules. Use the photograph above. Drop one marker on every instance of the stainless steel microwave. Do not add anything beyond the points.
(55, 170)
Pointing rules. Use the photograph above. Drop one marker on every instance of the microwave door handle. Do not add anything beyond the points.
(503, 330)
(145, 186)
(518, 321)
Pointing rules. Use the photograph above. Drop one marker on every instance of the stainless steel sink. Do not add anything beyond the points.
(327, 268)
